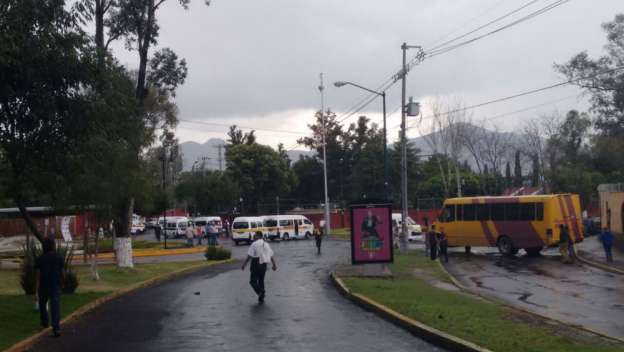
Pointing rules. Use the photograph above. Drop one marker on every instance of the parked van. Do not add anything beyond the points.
(176, 226)
(138, 225)
(283, 227)
(214, 220)
(244, 228)
(412, 227)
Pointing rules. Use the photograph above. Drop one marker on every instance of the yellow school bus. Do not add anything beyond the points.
(510, 223)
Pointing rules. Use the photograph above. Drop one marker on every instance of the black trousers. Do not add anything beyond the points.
(256, 277)
(54, 297)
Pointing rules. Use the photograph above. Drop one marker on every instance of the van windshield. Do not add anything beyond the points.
(171, 225)
(240, 225)
(410, 221)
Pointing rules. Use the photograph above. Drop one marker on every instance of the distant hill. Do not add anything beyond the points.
(193, 151)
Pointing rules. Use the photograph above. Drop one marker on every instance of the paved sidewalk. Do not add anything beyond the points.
(591, 249)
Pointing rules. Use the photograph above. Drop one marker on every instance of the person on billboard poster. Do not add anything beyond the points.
(371, 241)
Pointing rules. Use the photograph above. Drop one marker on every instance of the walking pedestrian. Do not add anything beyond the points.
(296, 228)
(49, 266)
(395, 233)
(443, 245)
(157, 232)
(606, 237)
(189, 235)
(564, 239)
(318, 238)
(259, 253)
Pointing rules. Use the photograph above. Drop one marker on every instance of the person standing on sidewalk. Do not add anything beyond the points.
(190, 234)
(443, 245)
(433, 243)
(259, 253)
(49, 266)
(564, 239)
(606, 237)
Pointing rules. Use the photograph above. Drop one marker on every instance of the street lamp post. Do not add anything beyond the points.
(327, 224)
(385, 146)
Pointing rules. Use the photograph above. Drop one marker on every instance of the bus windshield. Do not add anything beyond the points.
(240, 225)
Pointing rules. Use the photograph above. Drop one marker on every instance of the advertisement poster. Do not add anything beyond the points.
(371, 233)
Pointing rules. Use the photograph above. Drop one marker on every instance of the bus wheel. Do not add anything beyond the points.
(505, 246)
(286, 237)
(235, 242)
(533, 252)
(307, 236)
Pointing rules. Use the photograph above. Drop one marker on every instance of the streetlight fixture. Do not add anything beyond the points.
(339, 84)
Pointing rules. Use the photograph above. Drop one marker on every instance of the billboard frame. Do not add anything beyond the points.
(388, 208)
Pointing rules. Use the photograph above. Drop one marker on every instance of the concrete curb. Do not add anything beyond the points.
(427, 333)
(600, 265)
(526, 311)
(27, 343)
(154, 252)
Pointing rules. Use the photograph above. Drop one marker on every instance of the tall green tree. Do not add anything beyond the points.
(260, 172)
(517, 182)
(45, 70)
(309, 187)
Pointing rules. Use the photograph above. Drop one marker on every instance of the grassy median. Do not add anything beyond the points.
(498, 328)
(20, 319)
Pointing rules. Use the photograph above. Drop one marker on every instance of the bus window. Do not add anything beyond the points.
(512, 211)
(483, 212)
(283, 222)
(527, 211)
(498, 212)
(270, 223)
(469, 212)
(448, 214)
(254, 225)
(539, 211)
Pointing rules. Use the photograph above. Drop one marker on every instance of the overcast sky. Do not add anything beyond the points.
(257, 63)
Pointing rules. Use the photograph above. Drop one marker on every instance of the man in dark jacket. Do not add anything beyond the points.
(606, 237)
(49, 266)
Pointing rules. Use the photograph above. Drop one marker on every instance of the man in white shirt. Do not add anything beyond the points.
(259, 253)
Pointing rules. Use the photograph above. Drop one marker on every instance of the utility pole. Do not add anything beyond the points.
(324, 130)
(403, 238)
(220, 148)
(411, 110)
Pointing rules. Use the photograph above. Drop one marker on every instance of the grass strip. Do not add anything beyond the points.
(482, 322)
(341, 233)
(19, 318)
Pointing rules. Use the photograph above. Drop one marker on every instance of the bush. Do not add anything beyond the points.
(28, 276)
(70, 282)
(217, 253)
(70, 279)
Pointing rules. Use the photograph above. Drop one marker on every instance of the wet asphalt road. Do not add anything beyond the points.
(216, 310)
(577, 294)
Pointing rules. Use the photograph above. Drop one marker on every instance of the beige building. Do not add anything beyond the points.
(612, 206)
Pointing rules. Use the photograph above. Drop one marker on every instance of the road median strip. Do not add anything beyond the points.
(601, 266)
(424, 331)
(27, 343)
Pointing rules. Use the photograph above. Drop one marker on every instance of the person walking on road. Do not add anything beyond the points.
(259, 253)
(606, 237)
(296, 228)
(318, 238)
(564, 240)
(49, 266)
(212, 233)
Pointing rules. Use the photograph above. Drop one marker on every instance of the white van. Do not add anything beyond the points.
(413, 228)
(244, 228)
(176, 226)
(283, 227)
(138, 225)
(214, 220)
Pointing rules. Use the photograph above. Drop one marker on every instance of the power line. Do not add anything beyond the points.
(300, 133)
(534, 14)
(522, 94)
